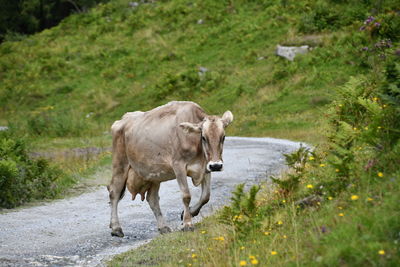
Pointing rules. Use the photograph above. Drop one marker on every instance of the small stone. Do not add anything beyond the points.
(200, 21)
(133, 4)
(289, 52)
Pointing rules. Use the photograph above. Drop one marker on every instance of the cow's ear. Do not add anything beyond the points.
(190, 127)
(227, 118)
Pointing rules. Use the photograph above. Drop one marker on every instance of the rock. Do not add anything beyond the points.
(202, 71)
(3, 128)
(200, 21)
(289, 52)
(133, 4)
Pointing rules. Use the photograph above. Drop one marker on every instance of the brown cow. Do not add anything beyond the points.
(175, 140)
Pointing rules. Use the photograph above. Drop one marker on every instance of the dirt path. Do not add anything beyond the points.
(74, 232)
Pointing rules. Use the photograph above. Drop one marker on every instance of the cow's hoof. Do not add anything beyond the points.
(188, 228)
(164, 230)
(117, 232)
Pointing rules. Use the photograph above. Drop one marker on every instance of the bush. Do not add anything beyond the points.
(23, 179)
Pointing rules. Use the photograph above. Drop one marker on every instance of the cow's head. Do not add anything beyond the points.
(212, 134)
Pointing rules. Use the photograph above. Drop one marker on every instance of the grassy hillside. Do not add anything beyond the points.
(75, 79)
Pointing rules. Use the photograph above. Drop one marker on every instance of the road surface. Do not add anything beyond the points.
(74, 231)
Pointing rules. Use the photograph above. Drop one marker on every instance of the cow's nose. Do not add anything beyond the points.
(215, 166)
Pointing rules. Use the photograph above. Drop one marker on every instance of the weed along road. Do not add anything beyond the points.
(74, 231)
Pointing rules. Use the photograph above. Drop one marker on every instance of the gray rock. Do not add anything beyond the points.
(289, 52)
(133, 4)
(3, 128)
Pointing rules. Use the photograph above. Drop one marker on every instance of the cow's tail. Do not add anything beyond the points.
(120, 161)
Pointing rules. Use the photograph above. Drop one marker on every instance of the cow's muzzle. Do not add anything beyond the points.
(215, 166)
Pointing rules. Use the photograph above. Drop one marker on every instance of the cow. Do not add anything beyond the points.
(173, 141)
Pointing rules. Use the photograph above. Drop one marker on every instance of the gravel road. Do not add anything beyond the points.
(74, 231)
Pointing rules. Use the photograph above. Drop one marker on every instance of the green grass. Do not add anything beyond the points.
(116, 59)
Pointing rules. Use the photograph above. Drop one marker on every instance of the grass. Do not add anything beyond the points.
(314, 236)
(120, 59)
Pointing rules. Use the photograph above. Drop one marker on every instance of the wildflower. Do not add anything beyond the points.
(274, 252)
(189, 264)
(370, 199)
(322, 165)
(311, 158)
(341, 214)
(377, 24)
(194, 256)
(330, 198)
(267, 233)
(310, 186)
(379, 127)
(219, 238)
(384, 106)
(340, 208)
(375, 99)
(280, 222)
(366, 128)
(283, 201)
(355, 128)
(381, 252)
(284, 236)
(254, 261)
(337, 170)
(242, 248)
(203, 232)
(365, 48)
(380, 174)
(354, 197)
(340, 105)
(242, 263)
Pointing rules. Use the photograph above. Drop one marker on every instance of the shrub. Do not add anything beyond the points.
(23, 179)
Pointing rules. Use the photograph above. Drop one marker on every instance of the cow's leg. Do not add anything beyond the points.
(153, 200)
(205, 195)
(118, 181)
(180, 172)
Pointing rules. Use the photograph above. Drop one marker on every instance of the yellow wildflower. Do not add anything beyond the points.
(341, 214)
(355, 128)
(337, 170)
(381, 252)
(370, 199)
(285, 236)
(311, 158)
(354, 197)
(189, 264)
(283, 201)
(310, 186)
(242, 263)
(340, 105)
(267, 233)
(194, 256)
(330, 198)
(375, 99)
(219, 238)
(366, 127)
(380, 174)
(203, 232)
(340, 208)
(280, 222)
(242, 248)
(322, 165)
(254, 261)
(274, 252)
